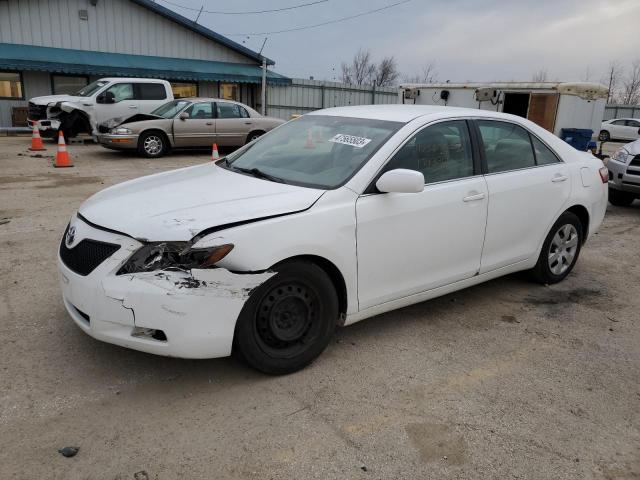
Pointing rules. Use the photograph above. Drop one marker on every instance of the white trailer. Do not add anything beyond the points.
(552, 105)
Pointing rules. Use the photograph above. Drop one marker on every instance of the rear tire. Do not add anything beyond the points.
(288, 320)
(560, 250)
(620, 198)
(604, 136)
(152, 144)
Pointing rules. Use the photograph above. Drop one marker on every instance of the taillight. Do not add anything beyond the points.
(604, 174)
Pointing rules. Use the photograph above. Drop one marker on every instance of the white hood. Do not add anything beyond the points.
(52, 99)
(633, 148)
(179, 204)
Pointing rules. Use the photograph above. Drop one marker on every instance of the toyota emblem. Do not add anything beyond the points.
(71, 235)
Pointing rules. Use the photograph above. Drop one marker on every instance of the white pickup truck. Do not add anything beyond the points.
(98, 102)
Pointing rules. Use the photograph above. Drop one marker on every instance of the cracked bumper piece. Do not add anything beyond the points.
(196, 311)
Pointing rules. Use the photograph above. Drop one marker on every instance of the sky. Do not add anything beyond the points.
(466, 40)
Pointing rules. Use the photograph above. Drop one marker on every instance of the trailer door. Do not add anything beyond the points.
(543, 108)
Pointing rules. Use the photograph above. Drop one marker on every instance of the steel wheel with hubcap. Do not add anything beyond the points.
(151, 145)
(560, 249)
(288, 320)
(563, 249)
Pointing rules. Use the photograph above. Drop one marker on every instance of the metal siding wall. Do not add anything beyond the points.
(621, 111)
(117, 26)
(304, 95)
(35, 84)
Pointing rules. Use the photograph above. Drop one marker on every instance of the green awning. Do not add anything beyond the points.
(83, 62)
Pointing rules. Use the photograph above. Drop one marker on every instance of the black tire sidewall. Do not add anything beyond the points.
(620, 198)
(254, 135)
(542, 271)
(248, 346)
(144, 153)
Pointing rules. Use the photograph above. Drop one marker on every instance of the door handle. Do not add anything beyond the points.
(248, 123)
(209, 123)
(559, 178)
(133, 106)
(473, 198)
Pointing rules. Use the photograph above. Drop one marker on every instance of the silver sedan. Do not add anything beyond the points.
(186, 123)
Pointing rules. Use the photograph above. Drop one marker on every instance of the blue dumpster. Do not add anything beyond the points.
(578, 138)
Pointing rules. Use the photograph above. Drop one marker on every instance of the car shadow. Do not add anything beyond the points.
(446, 315)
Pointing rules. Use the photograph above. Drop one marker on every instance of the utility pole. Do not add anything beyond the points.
(263, 96)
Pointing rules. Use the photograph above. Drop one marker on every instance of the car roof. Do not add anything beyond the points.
(406, 113)
(623, 118)
(132, 79)
(208, 99)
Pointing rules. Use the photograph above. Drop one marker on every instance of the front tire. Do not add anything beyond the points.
(620, 198)
(152, 145)
(604, 136)
(560, 250)
(288, 320)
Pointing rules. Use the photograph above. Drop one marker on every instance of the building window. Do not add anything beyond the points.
(66, 84)
(230, 91)
(184, 89)
(11, 85)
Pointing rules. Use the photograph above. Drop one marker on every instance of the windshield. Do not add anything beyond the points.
(314, 150)
(91, 88)
(170, 109)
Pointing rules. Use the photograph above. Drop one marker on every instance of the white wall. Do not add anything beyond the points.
(117, 26)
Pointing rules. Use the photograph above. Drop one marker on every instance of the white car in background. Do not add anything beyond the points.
(620, 129)
(329, 219)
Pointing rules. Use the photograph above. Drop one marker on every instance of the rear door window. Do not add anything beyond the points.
(150, 91)
(544, 156)
(506, 146)
(228, 110)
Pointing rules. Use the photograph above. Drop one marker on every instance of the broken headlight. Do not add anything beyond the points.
(173, 256)
(620, 155)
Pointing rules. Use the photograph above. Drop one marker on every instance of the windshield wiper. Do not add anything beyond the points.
(256, 172)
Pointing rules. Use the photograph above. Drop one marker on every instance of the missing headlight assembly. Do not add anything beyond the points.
(173, 256)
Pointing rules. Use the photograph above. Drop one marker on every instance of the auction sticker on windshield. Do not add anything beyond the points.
(352, 140)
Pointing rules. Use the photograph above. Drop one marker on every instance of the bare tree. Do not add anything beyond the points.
(361, 70)
(614, 72)
(386, 73)
(541, 75)
(631, 85)
(428, 74)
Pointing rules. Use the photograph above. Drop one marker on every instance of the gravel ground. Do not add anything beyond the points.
(508, 379)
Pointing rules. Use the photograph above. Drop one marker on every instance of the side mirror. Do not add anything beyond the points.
(183, 116)
(106, 97)
(401, 180)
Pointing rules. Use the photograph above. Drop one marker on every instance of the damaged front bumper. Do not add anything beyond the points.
(196, 311)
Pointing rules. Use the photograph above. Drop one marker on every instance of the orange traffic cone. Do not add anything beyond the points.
(214, 153)
(62, 156)
(36, 140)
(309, 143)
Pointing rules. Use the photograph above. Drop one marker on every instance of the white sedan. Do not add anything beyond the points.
(331, 218)
(620, 129)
